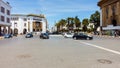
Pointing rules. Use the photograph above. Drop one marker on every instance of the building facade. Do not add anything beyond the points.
(110, 15)
(5, 24)
(21, 24)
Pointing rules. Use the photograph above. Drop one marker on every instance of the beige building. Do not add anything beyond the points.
(110, 14)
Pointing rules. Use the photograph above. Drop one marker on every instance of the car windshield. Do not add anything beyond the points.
(69, 33)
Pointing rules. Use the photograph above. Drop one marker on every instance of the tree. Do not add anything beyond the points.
(58, 26)
(70, 22)
(85, 23)
(62, 23)
(77, 22)
(95, 18)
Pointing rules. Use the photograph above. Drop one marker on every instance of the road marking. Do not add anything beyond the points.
(106, 49)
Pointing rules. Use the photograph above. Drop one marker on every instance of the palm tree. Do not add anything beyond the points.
(58, 26)
(62, 23)
(85, 23)
(95, 18)
(77, 22)
(70, 23)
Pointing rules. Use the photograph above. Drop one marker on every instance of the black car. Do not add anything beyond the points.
(8, 36)
(82, 36)
(29, 35)
(44, 36)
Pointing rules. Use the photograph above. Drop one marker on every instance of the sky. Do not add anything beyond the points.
(55, 10)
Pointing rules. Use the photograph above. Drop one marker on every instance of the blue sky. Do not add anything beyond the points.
(54, 10)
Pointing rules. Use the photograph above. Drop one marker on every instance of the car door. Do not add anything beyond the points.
(80, 36)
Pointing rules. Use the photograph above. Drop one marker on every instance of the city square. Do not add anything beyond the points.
(60, 34)
(59, 52)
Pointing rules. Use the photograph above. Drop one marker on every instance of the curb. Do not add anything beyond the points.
(107, 36)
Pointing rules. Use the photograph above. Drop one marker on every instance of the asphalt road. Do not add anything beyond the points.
(59, 52)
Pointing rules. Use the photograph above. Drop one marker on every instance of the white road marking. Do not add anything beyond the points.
(106, 49)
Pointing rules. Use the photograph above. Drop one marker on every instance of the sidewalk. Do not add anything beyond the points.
(106, 36)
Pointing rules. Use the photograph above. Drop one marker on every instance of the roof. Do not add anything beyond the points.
(33, 15)
(101, 2)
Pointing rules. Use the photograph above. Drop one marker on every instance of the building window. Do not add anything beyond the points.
(2, 18)
(2, 9)
(24, 24)
(28, 18)
(8, 20)
(15, 18)
(25, 19)
(15, 25)
(8, 12)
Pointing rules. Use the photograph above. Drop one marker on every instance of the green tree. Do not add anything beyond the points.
(58, 26)
(62, 24)
(85, 22)
(95, 18)
(70, 23)
(77, 22)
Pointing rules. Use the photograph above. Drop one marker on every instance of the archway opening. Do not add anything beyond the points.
(114, 22)
(24, 31)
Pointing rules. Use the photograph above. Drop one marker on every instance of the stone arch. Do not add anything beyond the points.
(24, 31)
(15, 31)
(114, 22)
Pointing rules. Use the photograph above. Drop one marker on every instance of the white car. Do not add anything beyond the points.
(68, 35)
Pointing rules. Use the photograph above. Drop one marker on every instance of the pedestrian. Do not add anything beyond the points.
(115, 33)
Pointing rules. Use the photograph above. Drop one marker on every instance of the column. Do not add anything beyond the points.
(43, 27)
(101, 21)
(31, 26)
(100, 17)
(4, 30)
(9, 30)
(0, 31)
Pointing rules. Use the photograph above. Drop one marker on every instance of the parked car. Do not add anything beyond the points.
(29, 35)
(44, 36)
(82, 36)
(8, 36)
(68, 35)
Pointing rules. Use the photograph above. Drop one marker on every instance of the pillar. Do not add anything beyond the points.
(101, 21)
(4, 30)
(100, 17)
(0, 31)
(9, 30)
(43, 27)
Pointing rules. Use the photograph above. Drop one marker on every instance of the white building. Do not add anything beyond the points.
(21, 24)
(91, 25)
(5, 24)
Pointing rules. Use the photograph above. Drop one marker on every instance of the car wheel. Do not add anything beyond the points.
(65, 37)
(87, 38)
(74, 38)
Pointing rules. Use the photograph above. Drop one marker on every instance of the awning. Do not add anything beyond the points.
(111, 28)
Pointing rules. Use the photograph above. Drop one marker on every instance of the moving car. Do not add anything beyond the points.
(8, 36)
(44, 36)
(68, 35)
(82, 36)
(29, 35)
